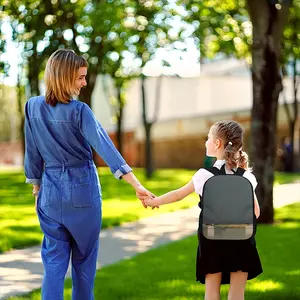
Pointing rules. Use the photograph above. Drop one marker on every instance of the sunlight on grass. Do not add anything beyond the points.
(172, 284)
(282, 178)
(293, 273)
(168, 272)
(19, 225)
(289, 225)
(264, 286)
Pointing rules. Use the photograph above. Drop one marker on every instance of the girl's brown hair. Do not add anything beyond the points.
(231, 134)
(60, 75)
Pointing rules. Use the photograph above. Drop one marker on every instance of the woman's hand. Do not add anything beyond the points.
(143, 194)
(35, 193)
(36, 198)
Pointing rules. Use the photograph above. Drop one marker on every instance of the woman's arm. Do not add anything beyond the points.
(141, 192)
(172, 196)
(33, 161)
(100, 141)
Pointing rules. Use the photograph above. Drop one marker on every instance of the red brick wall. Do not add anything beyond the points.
(185, 152)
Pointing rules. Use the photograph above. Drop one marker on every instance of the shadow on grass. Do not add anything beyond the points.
(168, 272)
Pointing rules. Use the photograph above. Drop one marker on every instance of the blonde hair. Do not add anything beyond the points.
(231, 134)
(60, 75)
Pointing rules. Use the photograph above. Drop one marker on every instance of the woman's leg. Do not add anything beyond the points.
(212, 286)
(84, 271)
(55, 255)
(238, 282)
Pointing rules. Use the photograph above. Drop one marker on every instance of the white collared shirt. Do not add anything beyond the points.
(202, 175)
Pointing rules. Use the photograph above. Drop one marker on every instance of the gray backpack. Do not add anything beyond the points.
(227, 206)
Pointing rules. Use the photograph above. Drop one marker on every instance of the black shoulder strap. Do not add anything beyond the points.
(216, 171)
(222, 170)
(213, 170)
(239, 172)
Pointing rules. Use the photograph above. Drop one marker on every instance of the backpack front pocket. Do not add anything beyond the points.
(82, 195)
(228, 231)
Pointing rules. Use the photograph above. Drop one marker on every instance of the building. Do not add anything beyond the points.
(187, 109)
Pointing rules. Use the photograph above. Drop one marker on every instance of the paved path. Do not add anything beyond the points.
(21, 270)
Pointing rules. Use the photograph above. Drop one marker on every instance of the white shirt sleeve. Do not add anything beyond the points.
(199, 179)
(251, 178)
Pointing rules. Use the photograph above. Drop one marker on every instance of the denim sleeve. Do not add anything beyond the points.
(33, 162)
(97, 137)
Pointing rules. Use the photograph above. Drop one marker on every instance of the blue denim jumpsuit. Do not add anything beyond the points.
(58, 157)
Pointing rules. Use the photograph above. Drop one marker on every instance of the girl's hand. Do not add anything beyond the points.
(151, 202)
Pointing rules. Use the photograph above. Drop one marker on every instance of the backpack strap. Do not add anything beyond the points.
(216, 171)
(239, 172)
(222, 170)
(213, 170)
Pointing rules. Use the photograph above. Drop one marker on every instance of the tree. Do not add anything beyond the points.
(224, 26)
(118, 100)
(150, 30)
(268, 20)
(41, 27)
(291, 58)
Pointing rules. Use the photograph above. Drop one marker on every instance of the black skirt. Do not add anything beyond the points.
(214, 256)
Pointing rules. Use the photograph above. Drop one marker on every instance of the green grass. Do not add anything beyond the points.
(168, 272)
(19, 226)
(282, 178)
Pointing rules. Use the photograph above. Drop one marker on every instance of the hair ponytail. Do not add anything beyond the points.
(231, 133)
(243, 160)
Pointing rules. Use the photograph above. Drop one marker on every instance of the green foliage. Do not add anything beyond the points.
(105, 32)
(168, 272)
(291, 45)
(225, 27)
(221, 27)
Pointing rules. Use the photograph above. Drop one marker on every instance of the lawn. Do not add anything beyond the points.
(19, 225)
(168, 272)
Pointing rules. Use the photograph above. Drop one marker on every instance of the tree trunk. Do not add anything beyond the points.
(33, 75)
(147, 126)
(295, 148)
(268, 23)
(120, 120)
(21, 113)
(86, 93)
(148, 151)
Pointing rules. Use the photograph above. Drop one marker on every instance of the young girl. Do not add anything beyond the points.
(221, 261)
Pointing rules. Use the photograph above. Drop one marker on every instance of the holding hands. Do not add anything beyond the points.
(144, 195)
(150, 201)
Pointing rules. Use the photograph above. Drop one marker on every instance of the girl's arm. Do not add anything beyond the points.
(172, 196)
(256, 207)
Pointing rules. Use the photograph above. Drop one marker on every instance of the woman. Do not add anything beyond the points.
(60, 133)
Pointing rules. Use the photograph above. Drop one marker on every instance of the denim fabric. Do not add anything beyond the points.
(69, 211)
(58, 157)
(64, 135)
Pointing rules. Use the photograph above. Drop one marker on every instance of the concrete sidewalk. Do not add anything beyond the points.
(21, 270)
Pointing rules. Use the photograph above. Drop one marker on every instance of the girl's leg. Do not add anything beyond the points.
(212, 286)
(238, 282)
